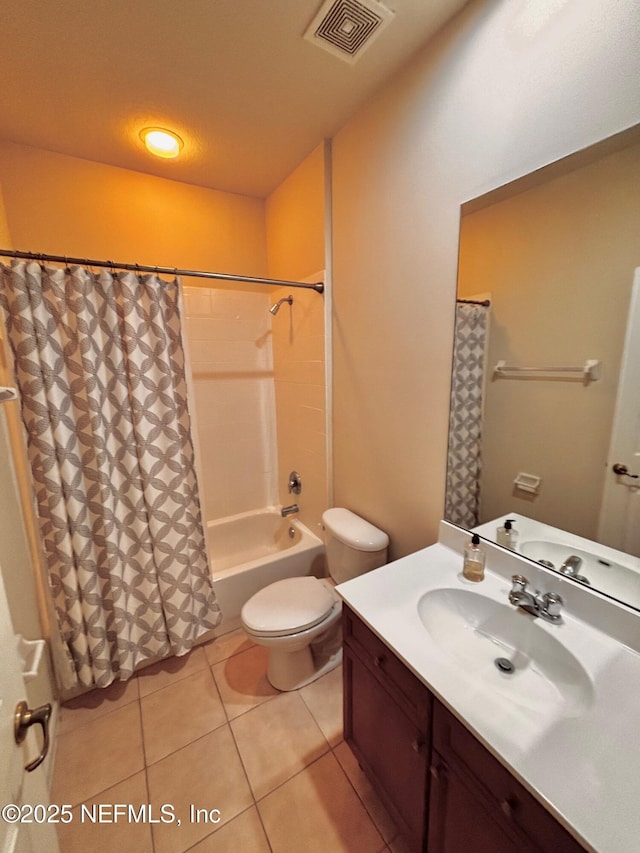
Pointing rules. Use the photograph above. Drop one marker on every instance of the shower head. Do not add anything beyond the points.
(275, 308)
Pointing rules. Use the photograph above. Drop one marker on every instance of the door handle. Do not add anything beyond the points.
(24, 718)
(623, 471)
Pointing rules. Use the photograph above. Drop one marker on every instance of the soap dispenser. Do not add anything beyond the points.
(473, 565)
(506, 535)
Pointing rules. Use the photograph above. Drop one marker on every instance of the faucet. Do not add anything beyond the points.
(570, 569)
(289, 510)
(570, 566)
(547, 605)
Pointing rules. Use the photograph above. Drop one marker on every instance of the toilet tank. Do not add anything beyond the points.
(353, 545)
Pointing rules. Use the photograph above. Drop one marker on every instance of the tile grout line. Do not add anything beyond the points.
(357, 793)
(76, 727)
(253, 796)
(213, 832)
(146, 774)
(244, 770)
(217, 687)
(297, 773)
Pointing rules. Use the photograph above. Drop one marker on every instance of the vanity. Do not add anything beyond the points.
(539, 753)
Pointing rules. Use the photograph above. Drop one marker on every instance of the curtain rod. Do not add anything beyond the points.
(63, 259)
(486, 303)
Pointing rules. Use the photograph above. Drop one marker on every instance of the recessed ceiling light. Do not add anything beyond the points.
(161, 142)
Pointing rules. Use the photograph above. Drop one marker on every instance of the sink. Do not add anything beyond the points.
(602, 573)
(475, 631)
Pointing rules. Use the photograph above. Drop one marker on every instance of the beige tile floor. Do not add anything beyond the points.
(206, 734)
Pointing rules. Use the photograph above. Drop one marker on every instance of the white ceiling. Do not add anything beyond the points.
(235, 78)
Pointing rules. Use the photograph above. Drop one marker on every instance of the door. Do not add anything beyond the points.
(16, 785)
(619, 525)
(12, 691)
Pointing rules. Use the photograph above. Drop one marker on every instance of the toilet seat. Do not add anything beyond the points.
(288, 606)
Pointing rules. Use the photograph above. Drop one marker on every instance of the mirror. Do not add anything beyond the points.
(554, 253)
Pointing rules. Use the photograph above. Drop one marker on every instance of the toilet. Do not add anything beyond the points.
(298, 619)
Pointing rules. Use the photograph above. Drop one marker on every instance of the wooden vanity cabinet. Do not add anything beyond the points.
(476, 804)
(444, 789)
(387, 724)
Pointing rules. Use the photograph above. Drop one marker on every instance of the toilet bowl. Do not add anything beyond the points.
(298, 619)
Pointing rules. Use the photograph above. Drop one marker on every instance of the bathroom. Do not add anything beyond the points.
(500, 91)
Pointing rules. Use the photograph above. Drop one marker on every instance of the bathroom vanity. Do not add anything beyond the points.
(469, 758)
(443, 788)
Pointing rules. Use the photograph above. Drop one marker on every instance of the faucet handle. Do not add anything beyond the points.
(519, 583)
(552, 605)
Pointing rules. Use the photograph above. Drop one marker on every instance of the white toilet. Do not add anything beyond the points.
(298, 619)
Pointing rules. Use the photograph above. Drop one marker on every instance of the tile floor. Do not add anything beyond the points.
(208, 732)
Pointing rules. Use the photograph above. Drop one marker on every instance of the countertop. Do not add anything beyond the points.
(582, 765)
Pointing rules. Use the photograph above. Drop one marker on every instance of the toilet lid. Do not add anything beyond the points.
(288, 606)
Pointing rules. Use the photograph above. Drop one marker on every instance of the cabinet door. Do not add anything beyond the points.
(510, 807)
(389, 747)
(462, 821)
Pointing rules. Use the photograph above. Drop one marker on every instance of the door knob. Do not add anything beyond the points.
(24, 718)
(623, 471)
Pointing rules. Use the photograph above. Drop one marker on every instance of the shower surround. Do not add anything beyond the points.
(228, 337)
(259, 398)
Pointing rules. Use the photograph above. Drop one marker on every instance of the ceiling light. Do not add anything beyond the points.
(161, 142)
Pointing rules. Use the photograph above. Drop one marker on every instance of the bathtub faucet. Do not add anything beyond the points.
(289, 510)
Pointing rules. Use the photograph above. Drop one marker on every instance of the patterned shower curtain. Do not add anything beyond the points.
(99, 363)
(464, 460)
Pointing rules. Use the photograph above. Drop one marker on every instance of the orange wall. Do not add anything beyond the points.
(5, 235)
(64, 205)
(295, 221)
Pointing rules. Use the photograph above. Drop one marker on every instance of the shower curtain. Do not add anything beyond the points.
(464, 460)
(99, 363)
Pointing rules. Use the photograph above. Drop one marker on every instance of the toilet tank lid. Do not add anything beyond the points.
(353, 530)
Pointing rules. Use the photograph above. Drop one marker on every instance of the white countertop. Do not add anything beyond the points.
(585, 768)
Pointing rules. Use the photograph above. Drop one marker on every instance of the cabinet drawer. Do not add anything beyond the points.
(459, 747)
(381, 660)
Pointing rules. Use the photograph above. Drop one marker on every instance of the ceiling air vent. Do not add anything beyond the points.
(346, 28)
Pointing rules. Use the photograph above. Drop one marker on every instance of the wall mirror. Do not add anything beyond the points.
(537, 371)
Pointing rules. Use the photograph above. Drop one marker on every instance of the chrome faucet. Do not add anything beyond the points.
(570, 566)
(289, 510)
(570, 569)
(546, 605)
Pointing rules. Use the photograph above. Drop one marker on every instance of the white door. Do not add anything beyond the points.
(12, 690)
(619, 525)
(16, 786)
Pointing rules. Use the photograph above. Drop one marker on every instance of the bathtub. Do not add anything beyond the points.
(253, 549)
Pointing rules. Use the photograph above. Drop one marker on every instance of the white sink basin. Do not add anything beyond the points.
(603, 574)
(475, 631)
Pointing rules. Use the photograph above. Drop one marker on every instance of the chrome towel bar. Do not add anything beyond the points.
(590, 370)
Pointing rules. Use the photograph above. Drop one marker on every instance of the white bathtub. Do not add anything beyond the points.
(253, 549)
